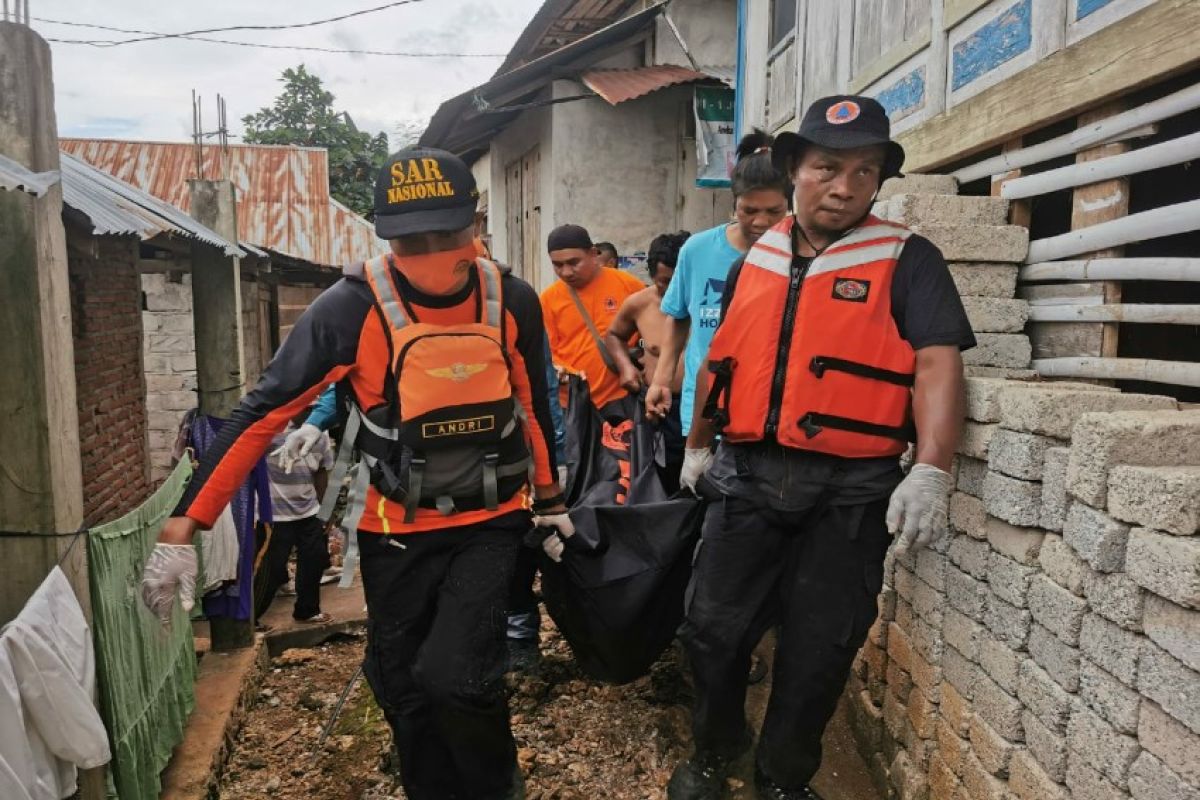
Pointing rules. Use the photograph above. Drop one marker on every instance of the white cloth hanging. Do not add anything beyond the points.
(221, 550)
(49, 725)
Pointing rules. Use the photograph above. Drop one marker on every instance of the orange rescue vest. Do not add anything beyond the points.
(809, 353)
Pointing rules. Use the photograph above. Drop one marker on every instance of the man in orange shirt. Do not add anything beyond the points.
(579, 307)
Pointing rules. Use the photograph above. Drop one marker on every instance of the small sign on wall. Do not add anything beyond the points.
(715, 145)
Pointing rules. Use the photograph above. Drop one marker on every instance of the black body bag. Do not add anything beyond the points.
(617, 596)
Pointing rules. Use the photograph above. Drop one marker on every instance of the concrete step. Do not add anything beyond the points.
(1009, 373)
(991, 243)
(942, 209)
(995, 315)
(978, 279)
(1008, 350)
(918, 184)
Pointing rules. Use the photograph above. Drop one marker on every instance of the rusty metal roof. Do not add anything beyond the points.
(115, 208)
(559, 23)
(282, 192)
(619, 85)
(466, 123)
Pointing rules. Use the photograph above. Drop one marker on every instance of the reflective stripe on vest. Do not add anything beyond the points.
(380, 279)
(848, 371)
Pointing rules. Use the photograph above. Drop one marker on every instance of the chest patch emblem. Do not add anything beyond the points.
(855, 291)
(610, 304)
(457, 372)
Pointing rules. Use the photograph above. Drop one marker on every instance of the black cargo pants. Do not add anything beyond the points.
(815, 575)
(435, 653)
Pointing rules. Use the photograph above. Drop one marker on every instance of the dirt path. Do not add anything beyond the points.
(576, 739)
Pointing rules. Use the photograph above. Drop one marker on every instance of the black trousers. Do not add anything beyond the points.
(524, 616)
(312, 557)
(815, 576)
(435, 653)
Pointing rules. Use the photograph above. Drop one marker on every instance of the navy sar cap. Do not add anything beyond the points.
(423, 190)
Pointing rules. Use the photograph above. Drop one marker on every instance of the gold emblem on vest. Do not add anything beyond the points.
(457, 372)
(458, 427)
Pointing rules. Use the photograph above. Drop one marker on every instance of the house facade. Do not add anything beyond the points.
(298, 238)
(591, 120)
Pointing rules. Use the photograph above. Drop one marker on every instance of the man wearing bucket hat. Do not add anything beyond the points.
(440, 354)
(839, 344)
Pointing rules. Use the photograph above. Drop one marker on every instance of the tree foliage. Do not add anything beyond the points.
(303, 114)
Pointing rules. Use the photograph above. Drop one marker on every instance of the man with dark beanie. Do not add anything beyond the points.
(838, 344)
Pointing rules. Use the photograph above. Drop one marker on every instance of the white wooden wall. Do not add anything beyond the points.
(918, 57)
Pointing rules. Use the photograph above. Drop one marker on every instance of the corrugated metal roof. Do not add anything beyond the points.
(557, 24)
(619, 85)
(116, 208)
(282, 192)
(465, 124)
(16, 177)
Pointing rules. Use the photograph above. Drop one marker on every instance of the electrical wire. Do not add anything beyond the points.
(286, 26)
(262, 45)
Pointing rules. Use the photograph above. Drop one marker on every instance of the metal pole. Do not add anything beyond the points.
(679, 38)
(337, 709)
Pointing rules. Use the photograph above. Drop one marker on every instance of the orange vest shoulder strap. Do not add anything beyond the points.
(380, 281)
(493, 297)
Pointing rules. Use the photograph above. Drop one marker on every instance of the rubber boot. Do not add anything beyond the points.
(767, 789)
(701, 777)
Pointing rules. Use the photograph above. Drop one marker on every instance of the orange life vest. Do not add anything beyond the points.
(452, 439)
(811, 356)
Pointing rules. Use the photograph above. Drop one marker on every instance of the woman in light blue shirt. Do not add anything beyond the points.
(762, 196)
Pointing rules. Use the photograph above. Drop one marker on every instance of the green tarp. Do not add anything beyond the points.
(146, 674)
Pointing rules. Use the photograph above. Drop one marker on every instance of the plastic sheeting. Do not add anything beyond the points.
(146, 673)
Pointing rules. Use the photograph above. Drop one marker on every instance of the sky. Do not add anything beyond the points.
(144, 90)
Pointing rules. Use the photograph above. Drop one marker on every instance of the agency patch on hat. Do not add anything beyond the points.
(843, 112)
(423, 190)
(841, 122)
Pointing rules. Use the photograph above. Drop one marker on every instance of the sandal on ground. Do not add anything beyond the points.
(316, 619)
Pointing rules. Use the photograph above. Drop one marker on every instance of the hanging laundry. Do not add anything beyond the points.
(219, 549)
(251, 502)
(49, 725)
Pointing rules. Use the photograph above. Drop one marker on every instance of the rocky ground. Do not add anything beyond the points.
(577, 739)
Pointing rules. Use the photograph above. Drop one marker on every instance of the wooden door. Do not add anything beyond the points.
(514, 217)
(531, 222)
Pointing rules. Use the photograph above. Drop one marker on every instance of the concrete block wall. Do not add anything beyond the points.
(110, 391)
(983, 252)
(169, 353)
(1049, 647)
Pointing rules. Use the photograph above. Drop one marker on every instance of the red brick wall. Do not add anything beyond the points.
(106, 322)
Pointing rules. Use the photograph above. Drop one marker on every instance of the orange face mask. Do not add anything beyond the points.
(438, 273)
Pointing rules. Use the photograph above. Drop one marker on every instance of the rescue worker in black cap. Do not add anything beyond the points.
(440, 354)
(839, 344)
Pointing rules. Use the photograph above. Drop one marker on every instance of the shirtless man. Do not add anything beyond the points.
(640, 313)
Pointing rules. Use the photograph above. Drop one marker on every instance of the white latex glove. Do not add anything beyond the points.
(170, 568)
(695, 463)
(553, 544)
(918, 508)
(296, 446)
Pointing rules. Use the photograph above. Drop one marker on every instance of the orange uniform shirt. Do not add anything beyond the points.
(570, 341)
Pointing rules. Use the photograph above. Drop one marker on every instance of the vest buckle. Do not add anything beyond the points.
(810, 428)
(817, 366)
